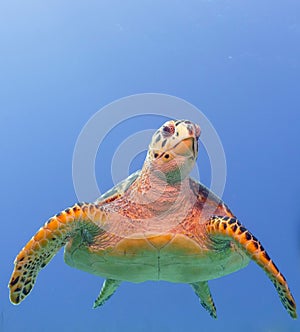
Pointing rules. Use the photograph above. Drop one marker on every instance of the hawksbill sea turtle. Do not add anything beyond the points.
(158, 224)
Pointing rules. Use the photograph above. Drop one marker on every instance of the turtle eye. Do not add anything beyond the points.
(197, 131)
(168, 130)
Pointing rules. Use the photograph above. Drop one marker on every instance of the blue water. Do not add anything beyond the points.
(237, 61)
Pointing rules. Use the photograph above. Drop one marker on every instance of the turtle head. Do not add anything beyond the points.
(174, 149)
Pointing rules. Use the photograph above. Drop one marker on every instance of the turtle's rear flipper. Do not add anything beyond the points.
(230, 228)
(108, 289)
(42, 247)
(201, 289)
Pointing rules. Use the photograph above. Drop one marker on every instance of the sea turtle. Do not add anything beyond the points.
(158, 224)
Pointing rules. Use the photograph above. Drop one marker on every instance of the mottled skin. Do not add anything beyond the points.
(158, 224)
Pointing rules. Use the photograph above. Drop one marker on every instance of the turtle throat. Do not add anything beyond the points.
(152, 190)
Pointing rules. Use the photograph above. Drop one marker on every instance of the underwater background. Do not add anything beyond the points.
(237, 61)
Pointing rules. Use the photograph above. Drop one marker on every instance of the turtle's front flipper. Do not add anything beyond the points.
(107, 290)
(38, 252)
(231, 228)
(201, 289)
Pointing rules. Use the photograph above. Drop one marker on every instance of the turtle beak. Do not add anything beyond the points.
(186, 147)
